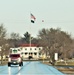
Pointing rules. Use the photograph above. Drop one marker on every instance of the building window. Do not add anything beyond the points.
(30, 48)
(25, 53)
(18, 49)
(39, 53)
(25, 48)
(39, 48)
(31, 53)
(22, 53)
(35, 53)
(35, 48)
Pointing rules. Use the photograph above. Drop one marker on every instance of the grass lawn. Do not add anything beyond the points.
(67, 70)
(3, 63)
(65, 63)
(63, 67)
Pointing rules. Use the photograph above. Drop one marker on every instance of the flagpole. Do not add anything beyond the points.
(30, 40)
(32, 19)
(30, 30)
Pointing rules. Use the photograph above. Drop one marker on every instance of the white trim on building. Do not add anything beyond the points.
(28, 51)
(31, 51)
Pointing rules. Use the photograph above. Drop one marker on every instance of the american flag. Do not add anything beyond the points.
(33, 17)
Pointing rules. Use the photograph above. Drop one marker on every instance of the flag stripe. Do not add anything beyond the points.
(33, 17)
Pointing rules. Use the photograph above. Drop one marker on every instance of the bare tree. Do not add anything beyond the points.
(55, 40)
(14, 39)
(2, 40)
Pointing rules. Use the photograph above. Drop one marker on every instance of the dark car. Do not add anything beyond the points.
(30, 57)
(15, 59)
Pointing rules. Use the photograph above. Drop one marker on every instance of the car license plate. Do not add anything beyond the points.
(14, 62)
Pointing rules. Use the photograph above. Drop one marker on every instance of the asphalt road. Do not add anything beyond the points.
(29, 68)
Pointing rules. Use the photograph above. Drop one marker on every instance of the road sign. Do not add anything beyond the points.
(56, 56)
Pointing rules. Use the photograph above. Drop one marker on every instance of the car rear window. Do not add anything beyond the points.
(15, 55)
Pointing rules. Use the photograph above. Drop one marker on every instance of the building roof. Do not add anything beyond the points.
(28, 45)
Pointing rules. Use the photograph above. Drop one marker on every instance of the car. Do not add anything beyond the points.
(15, 59)
(30, 57)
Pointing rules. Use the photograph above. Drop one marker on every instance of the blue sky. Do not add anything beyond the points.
(15, 15)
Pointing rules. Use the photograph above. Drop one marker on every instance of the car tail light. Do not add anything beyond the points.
(9, 59)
